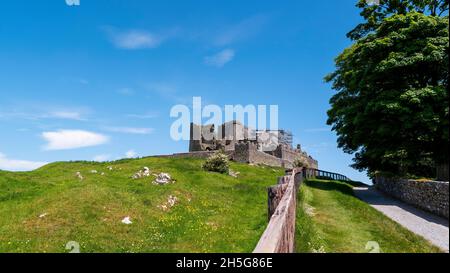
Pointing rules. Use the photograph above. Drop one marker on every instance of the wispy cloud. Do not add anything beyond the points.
(221, 36)
(137, 39)
(220, 59)
(162, 88)
(83, 81)
(66, 115)
(130, 130)
(18, 165)
(126, 91)
(318, 148)
(317, 130)
(149, 115)
(72, 139)
(240, 31)
(39, 112)
(102, 157)
(168, 91)
(131, 154)
(75, 80)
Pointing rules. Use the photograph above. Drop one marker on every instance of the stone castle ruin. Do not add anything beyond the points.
(273, 148)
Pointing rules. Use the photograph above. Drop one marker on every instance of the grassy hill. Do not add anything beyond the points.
(331, 219)
(41, 211)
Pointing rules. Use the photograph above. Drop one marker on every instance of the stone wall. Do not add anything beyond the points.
(313, 164)
(289, 155)
(248, 153)
(258, 157)
(431, 196)
(282, 157)
(203, 154)
(242, 152)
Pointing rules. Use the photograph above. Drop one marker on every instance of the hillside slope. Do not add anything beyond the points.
(43, 210)
(331, 219)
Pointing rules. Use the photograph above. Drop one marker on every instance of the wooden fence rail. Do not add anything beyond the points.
(279, 236)
(330, 175)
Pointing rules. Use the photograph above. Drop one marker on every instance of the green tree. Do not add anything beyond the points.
(391, 109)
(374, 14)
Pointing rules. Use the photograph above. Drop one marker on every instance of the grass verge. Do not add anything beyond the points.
(331, 219)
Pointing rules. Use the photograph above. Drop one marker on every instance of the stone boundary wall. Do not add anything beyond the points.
(249, 153)
(186, 155)
(258, 157)
(289, 155)
(202, 154)
(279, 236)
(431, 196)
(313, 164)
(242, 153)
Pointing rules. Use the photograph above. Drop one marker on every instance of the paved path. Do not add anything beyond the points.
(431, 227)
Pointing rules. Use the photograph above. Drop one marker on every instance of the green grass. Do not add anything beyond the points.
(331, 219)
(215, 212)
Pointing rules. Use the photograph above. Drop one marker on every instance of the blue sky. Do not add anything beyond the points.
(97, 81)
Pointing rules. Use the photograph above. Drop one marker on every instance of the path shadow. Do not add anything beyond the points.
(330, 186)
(372, 196)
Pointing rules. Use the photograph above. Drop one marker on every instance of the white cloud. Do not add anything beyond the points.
(102, 158)
(131, 154)
(72, 139)
(221, 58)
(134, 39)
(130, 130)
(18, 165)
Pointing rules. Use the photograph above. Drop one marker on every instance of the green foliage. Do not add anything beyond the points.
(331, 219)
(392, 105)
(375, 14)
(218, 162)
(214, 212)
